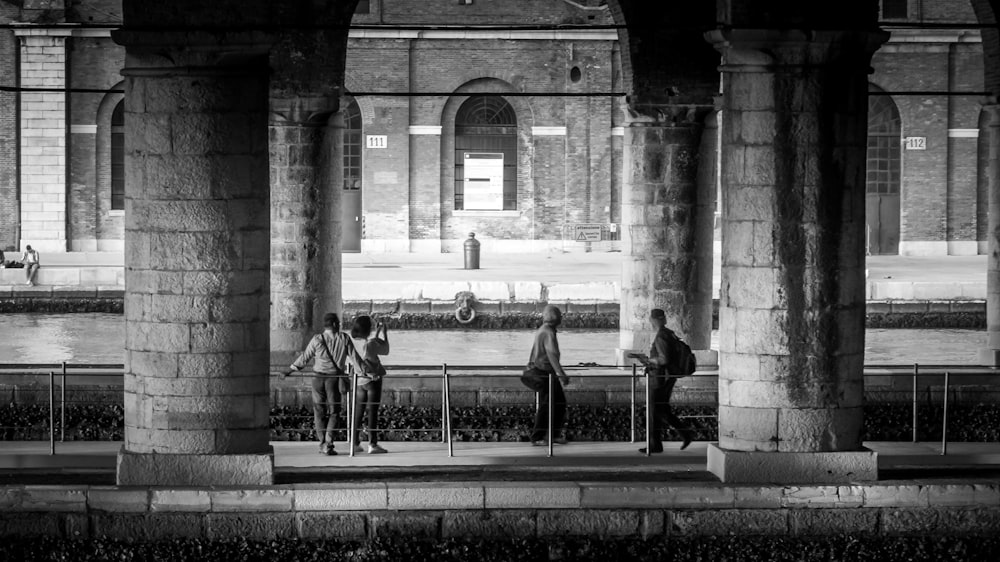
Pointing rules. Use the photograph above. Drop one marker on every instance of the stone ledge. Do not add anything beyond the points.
(792, 468)
(435, 496)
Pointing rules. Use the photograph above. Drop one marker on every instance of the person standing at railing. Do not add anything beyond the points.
(545, 360)
(332, 351)
(662, 382)
(369, 392)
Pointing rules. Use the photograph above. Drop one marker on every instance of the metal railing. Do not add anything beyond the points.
(65, 370)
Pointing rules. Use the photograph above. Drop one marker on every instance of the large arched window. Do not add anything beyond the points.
(352, 146)
(118, 157)
(486, 155)
(883, 174)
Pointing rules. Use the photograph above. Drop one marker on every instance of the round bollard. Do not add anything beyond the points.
(472, 252)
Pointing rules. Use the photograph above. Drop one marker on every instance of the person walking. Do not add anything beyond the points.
(332, 351)
(544, 358)
(32, 262)
(369, 392)
(662, 383)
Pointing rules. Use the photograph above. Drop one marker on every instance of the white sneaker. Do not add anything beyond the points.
(376, 450)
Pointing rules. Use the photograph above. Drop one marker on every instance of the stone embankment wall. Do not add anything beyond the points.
(426, 314)
(498, 510)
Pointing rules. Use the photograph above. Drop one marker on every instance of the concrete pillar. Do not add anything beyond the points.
(307, 182)
(792, 305)
(991, 135)
(196, 265)
(43, 139)
(666, 229)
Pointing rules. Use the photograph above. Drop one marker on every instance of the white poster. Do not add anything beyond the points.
(483, 181)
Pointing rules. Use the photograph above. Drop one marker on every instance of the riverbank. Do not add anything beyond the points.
(426, 314)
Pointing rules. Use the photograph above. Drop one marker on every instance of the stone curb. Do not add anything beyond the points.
(405, 496)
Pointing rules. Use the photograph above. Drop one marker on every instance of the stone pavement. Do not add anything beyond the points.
(552, 276)
(583, 456)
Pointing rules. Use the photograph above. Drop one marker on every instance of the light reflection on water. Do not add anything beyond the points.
(99, 338)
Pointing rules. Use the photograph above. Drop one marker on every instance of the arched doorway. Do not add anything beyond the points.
(884, 167)
(351, 203)
(486, 155)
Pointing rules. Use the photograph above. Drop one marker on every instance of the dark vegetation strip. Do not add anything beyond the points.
(672, 549)
(883, 422)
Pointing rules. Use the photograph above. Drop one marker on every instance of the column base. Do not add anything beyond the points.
(840, 467)
(989, 357)
(155, 469)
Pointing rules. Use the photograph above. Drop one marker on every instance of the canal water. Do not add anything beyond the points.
(100, 338)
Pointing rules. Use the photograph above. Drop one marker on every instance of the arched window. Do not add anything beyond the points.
(352, 146)
(883, 174)
(883, 145)
(118, 157)
(486, 155)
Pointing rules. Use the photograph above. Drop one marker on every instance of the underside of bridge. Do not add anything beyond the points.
(232, 246)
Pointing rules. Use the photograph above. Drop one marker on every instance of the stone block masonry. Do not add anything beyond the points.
(499, 509)
(43, 125)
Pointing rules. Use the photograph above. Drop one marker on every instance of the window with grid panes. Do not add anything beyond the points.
(487, 124)
(352, 146)
(118, 157)
(884, 154)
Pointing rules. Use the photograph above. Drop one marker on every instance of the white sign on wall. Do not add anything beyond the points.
(376, 141)
(483, 181)
(915, 143)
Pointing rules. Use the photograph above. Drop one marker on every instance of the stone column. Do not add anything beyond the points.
(792, 307)
(991, 135)
(196, 264)
(307, 175)
(666, 233)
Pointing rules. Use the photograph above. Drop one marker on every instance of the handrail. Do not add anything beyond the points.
(914, 370)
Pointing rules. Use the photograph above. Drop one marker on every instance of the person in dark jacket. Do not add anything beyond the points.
(545, 357)
(662, 383)
(331, 351)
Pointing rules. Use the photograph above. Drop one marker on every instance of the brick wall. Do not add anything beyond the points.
(562, 179)
(95, 63)
(941, 195)
(8, 131)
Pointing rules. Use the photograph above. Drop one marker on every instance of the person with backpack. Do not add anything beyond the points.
(332, 351)
(669, 359)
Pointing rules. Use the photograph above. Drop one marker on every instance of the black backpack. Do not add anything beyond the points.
(682, 361)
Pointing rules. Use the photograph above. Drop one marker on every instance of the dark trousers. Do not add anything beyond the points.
(558, 411)
(326, 398)
(368, 400)
(663, 416)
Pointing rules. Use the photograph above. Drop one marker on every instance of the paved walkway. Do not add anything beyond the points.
(580, 456)
(573, 276)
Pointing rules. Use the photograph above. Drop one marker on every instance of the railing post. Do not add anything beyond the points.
(352, 406)
(447, 412)
(916, 373)
(944, 421)
(52, 413)
(649, 416)
(62, 405)
(552, 380)
(632, 407)
(444, 402)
